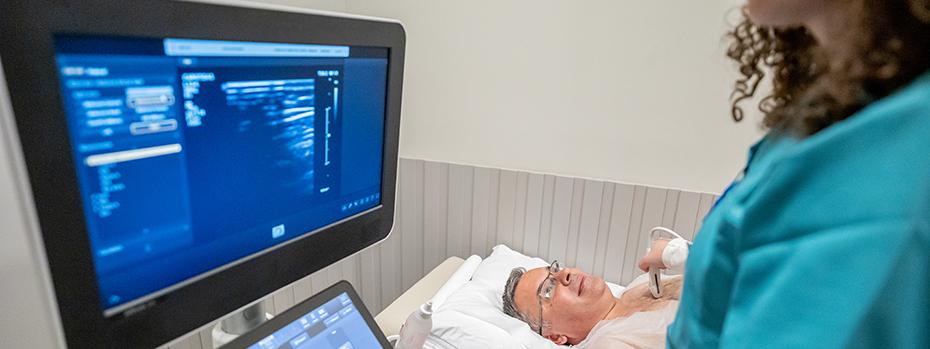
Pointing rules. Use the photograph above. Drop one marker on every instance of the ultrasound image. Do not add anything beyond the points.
(286, 108)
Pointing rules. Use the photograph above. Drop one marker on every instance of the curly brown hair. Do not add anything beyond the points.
(813, 87)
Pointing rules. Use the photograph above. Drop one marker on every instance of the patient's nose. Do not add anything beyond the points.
(564, 276)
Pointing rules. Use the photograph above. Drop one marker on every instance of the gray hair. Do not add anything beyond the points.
(510, 307)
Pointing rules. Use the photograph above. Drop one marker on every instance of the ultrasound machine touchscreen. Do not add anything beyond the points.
(332, 319)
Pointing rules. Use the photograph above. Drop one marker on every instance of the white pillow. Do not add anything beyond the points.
(472, 317)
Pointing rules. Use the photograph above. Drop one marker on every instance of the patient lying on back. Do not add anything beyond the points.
(578, 308)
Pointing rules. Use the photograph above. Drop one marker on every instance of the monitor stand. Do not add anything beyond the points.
(239, 323)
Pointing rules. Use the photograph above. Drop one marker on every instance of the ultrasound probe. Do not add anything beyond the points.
(655, 277)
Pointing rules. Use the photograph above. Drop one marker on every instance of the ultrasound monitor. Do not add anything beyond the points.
(193, 154)
(187, 159)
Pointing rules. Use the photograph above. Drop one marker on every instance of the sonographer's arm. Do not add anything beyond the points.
(665, 253)
(675, 255)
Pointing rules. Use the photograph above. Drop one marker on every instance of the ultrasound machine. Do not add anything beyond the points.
(182, 160)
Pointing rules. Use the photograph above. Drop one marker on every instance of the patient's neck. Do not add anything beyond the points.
(639, 299)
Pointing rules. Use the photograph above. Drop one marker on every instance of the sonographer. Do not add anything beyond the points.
(824, 241)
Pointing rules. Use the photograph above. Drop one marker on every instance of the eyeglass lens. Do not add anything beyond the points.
(546, 288)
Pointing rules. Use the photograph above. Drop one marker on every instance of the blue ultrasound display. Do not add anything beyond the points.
(193, 154)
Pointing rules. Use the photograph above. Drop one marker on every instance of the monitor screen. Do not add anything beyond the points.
(186, 159)
(193, 154)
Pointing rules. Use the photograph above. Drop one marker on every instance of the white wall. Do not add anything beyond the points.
(627, 91)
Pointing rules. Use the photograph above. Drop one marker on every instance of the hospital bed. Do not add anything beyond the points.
(466, 297)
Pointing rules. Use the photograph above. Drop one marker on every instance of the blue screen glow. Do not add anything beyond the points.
(193, 154)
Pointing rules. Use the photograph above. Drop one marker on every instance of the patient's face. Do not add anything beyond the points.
(579, 301)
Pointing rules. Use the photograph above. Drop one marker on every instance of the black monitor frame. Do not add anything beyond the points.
(27, 28)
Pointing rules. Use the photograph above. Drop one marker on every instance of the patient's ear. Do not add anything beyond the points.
(558, 339)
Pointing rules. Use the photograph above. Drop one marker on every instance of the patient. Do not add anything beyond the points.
(579, 309)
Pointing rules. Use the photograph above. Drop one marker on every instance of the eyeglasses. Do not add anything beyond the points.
(546, 288)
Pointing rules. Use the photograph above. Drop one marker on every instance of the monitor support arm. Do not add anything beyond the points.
(239, 323)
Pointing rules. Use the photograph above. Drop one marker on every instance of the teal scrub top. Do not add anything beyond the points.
(824, 242)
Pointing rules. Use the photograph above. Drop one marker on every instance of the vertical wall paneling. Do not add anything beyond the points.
(418, 235)
(633, 234)
(480, 211)
(545, 224)
(436, 201)
(303, 289)
(269, 305)
(506, 209)
(390, 277)
(350, 271)
(371, 277)
(397, 251)
(534, 209)
(620, 218)
(468, 185)
(603, 228)
(686, 214)
(519, 212)
(589, 219)
(283, 299)
(412, 235)
(366, 276)
(656, 199)
(707, 202)
(334, 273)
(319, 281)
(455, 211)
(671, 206)
(561, 217)
(494, 193)
(704, 213)
(195, 341)
(182, 344)
(574, 222)
(206, 336)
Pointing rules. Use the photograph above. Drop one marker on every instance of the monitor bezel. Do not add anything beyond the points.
(28, 58)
